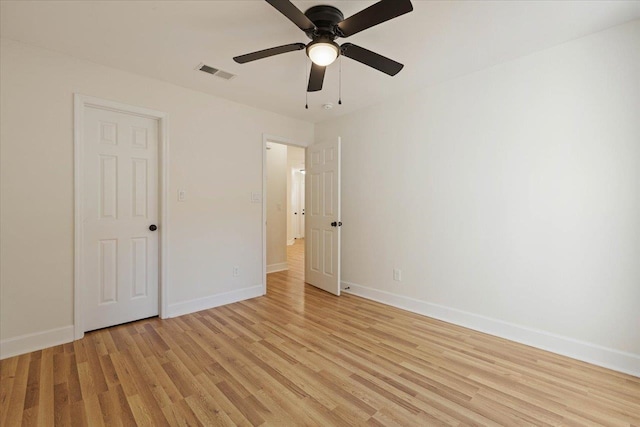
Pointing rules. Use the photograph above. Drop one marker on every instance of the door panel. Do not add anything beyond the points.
(108, 271)
(139, 262)
(120, 184)
(322, 238)
(328, 194)
(108, 186)
(140, 187)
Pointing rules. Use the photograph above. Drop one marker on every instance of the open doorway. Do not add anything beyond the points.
(284, 209)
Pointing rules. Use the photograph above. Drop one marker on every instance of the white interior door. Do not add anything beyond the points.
(120, 203)
(322, 228)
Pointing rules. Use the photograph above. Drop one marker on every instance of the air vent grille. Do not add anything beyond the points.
(208, 69)
(216, 72)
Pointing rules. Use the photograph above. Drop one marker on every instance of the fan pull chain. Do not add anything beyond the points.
(306, 78)
(340, 83)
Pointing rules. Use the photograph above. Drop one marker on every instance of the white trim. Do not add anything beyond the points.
(205, 303)
(291, 241)
(36, 341)
(78, 125)
(279, 140)
(281, 266)
(576, 349)
(81, 102)
(163, 191)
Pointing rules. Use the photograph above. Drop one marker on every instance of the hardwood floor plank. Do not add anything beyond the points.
(7, 378)
(299, 356)
(108, 401)
(215, 407)
(15, 406)
(33, 384)
(141, 412)
(45, 403)
(125, 412)
(250, 412)
(60, 368)
(168, 386)
(180, 414)
(222, 400)
(61, 405)
(287, 409)
(30, 417)
(94, 410)
(179, 378)
(207, 417)
(95, 368)
(78, 414)
(145, 403)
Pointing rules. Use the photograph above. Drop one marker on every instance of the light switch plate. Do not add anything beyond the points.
(256, 197)
(182, 195)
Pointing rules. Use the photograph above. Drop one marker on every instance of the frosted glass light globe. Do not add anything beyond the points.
(322, 53)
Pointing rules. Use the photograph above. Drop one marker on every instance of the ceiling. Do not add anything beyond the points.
(167, 40)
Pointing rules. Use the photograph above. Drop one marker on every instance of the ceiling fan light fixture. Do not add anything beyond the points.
(323, 52)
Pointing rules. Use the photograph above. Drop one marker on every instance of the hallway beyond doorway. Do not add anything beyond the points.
(295, 260)
(283, 202)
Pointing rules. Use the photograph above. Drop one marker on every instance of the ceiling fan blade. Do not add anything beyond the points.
(375, 14)
(294, 14)
(372, 59)
(316, 78)
(242, 59)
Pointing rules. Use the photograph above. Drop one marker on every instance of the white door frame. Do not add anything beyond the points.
(81, 102)
(278, 140)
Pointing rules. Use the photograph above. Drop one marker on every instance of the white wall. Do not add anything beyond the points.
(215, 154)
(510, 199)
(276, 207)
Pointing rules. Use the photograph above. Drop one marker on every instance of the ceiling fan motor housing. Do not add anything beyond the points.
(326, 19)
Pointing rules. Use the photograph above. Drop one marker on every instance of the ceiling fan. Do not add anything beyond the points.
(323, 25)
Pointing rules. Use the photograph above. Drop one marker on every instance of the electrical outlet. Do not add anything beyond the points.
(397, 275)
(236, 271)
(182, 195)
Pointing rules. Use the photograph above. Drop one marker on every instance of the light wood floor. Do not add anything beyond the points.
(299, 356)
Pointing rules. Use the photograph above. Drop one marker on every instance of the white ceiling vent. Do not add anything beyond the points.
(216, 72)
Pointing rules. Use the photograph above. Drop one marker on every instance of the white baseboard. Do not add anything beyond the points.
(598, 355)
(199, 304)
(291, 241)
(277, 267)
(36, 341)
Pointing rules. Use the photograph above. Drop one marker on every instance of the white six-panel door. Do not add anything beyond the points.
(120, 203)
(322, 216)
